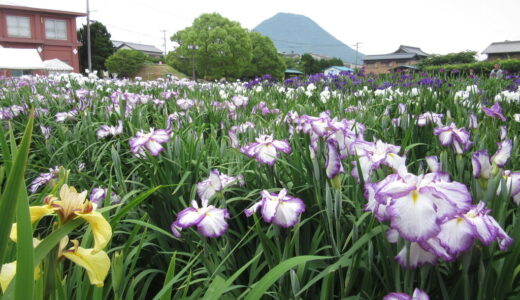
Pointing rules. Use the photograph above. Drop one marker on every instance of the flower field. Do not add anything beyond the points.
(327, 187)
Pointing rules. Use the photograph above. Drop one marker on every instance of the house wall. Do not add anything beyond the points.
(65, 50)
(384, 66)
(497, 56)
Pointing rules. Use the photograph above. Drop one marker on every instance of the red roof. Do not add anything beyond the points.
(43, 10)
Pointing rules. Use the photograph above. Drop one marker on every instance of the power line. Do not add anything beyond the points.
(309, 44)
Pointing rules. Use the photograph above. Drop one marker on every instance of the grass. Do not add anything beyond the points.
(154, 71)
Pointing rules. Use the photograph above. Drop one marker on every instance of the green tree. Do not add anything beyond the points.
(464, 57)
(125, 62)
(218, 47)
(312, 66)
(265, 58)
(101, 46)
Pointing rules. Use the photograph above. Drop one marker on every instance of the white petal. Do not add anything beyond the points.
(288, 211)
(266, 154)
(188, 217)
(269, 206)
(456, 235)
(414, 216)
(214, 223)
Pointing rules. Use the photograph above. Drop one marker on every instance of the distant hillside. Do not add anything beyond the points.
(300, 34)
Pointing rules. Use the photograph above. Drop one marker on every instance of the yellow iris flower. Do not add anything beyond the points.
(68, 206)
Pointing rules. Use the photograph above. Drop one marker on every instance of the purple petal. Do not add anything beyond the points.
(503, 153)
(333, 164)
(188, 217)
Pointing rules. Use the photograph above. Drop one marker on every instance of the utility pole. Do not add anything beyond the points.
(89, 53)
(357, 47)
(193, 48)
(164, 33)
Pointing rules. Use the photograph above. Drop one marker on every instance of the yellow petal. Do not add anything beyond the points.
(96, 264)
(7, 274)
(36, 212)
(100, 228)
(14, 233)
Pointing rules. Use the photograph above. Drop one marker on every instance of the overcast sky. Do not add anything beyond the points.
(380, 26)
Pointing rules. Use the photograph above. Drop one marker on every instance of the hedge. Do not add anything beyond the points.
(481, 67)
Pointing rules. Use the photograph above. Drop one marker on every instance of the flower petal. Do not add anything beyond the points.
(456, 235)
(188, 217)
(214, 223)
(7, 273)
(266, 154)
(97, 264)
(414, 216)
(288, 211)
(503, 153)
(418, 257)
(101, 229)
(270, 203)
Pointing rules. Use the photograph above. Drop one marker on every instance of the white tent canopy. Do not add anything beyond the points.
(57, 65)
(20, 59)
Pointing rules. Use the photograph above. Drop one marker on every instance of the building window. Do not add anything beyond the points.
(18, 26)
(55, 29)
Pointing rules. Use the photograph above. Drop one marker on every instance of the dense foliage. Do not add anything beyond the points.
(340, 187)
(265, 58)
(464, 57)
(101, 46)
(311, 65)
(126, 62)
(218, 47)
(215, 48)
(482, 68)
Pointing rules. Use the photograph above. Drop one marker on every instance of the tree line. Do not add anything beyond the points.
(213, 48)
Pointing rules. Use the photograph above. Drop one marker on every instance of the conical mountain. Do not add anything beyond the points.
(300, 34)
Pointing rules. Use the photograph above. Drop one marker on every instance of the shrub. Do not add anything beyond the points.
(125, 62)
(481, 67)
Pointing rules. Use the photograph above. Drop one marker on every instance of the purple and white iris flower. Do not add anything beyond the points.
(150, 141)
(43, 179)
(46, 131)
(483, 165)
(512, 182)
(105, 130)
(503, 133)
(457, 138)
(63, 116)
(495, 111)
(240, 100)
(210, 221)
(417, 295)
(265, 149)
(372, 155)
(99, 194)
(435, 215)
(417, 204)
(235, 130)
(457, 234)
(216, 183)
(333, 164)
(473, 122)
(503, 153)
(434, 164)
(280, 209)
(429, 117)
